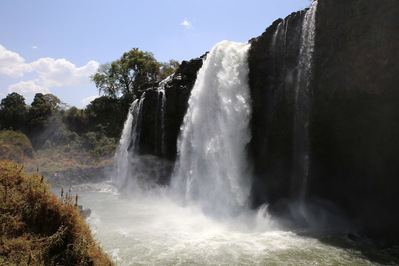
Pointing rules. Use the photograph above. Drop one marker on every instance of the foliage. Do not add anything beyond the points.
(15, 146)
(13, 112)
(38, 229)
(129, 73)
(42, 108)
(168, 69)
(71, 136)
(107, 114)
(133, 72)
(76, 120)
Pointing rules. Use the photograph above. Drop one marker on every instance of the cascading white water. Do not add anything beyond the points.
(121, 156)
(161, 108)
(302, 101)
(212, 167)
(280, 34)
(129, 137)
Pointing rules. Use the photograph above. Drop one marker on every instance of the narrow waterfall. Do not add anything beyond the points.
(129, 138)
(280, 35)
(303, 104)
(212, 168)
(161, 112)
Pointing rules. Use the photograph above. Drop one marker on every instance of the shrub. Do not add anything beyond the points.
(37, 228)
(15, 146)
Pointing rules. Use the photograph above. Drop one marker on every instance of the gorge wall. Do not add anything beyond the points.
(353, 124)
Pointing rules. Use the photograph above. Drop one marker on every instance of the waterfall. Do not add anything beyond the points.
(275, 35)
(129, 138)
(161, 108)
(212, 168)
(280, 35)
(302, 102)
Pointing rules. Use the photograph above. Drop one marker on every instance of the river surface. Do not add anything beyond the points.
(151, 229)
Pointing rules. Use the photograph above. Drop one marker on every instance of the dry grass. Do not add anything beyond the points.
(15, 146)
(62, 158)
(38, 229)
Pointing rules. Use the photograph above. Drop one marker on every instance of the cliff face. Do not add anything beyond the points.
(273, 60)
(354, 113)
(160, 118)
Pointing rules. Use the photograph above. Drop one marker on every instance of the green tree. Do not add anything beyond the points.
(13, 112)
(76, 120)
(107, 114)
(42, 108)
(44, 120)
(133, 72)
(169, 68)
(127, 75)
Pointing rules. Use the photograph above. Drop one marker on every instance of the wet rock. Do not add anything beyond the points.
(84, 212)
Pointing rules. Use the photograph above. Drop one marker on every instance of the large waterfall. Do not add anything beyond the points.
(303, 103)
(212, 167)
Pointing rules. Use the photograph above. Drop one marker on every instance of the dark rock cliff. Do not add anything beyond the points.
(354, 120)
(273, 59)
(177, 92)
(160, 121)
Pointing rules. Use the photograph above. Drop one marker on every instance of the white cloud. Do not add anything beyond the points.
(12, 64)
(61, 72)
(51, 72)
(28, 89)
(34, 47)
(87, 100)
(186, 24)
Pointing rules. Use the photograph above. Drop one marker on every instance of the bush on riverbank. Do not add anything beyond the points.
(37, 228)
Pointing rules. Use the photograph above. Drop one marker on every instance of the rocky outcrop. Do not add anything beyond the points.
(159, 120)
(153, 135)
(177, 94)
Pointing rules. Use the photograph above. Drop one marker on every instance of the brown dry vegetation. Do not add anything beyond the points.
(61, 158)
(38, 229)
(15, 146)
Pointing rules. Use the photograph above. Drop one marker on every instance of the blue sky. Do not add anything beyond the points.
(54, 46)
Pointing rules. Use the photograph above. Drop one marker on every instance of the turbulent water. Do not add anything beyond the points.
(212, 167)
(152, 229)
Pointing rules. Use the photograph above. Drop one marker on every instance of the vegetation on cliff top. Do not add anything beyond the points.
(37, 228)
